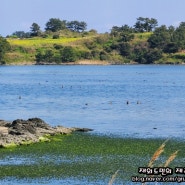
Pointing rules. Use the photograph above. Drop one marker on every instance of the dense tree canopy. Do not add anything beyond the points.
(35, 29)
(179, 35)
(77, 26)
(145, 24)
(68, 54)
(116, 31)
(170, 39)
(55, 25)
(160, 37)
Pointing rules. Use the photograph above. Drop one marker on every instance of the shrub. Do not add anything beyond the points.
(56, 36)
(47, 56)
(69, 54)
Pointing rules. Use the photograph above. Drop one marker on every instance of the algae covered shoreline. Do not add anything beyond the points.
(84, 157)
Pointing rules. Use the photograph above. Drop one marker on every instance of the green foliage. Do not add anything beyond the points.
(178, 58)
(56, 36)
(145, 24)
(145, 55)
(21, 34)
(4, 47)
(69, 54)
(126, 37)
(152, 55)
(35, 30)
(67, 41)
(55, 25)
(77, 26)
(170, 40)
(179, 35)
(116, 31)
(171, 47)
(58, 54)
(123, 48)
(160, 37)
(104, 55)
(58, 46)
(45, 56)
(95, 53)
(85, 54)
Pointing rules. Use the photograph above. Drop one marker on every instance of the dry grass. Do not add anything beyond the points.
(113, 177)
(171, 158)
(155, 156)
(92, 62)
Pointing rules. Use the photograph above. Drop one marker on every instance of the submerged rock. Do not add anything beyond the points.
(29, 131)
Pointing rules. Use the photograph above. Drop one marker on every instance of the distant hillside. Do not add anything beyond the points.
(68, 43)
(93, 48)
(25, 50)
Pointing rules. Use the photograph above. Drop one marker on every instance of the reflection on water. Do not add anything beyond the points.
(136, 101)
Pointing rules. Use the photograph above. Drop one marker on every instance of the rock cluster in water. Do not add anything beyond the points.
(29, 131)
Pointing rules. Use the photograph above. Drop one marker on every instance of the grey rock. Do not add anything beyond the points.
(30, 131)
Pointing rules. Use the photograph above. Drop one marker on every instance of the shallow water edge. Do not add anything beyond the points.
(86, 158)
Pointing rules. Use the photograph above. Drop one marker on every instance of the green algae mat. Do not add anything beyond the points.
(87, 156)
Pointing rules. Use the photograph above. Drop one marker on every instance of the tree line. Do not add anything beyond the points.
(119, 45)
(162, 41)
(56, 24)
(53, 25)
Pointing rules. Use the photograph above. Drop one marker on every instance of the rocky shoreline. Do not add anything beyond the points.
(33, 130)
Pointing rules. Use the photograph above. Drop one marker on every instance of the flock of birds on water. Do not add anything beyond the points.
(86, 104)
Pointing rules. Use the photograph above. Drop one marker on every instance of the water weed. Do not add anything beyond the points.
(84, 156)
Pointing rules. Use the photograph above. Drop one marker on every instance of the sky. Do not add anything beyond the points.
(101, 15)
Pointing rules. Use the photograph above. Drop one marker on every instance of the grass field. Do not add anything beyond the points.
(24, 50)
(40, 42)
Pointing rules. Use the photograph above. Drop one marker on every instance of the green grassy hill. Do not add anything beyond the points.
(24, 50)
(89, 47)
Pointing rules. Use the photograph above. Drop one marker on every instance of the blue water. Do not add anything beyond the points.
(96, 97)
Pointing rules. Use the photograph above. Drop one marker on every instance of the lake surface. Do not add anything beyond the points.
(139, 101)
(129, 101)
